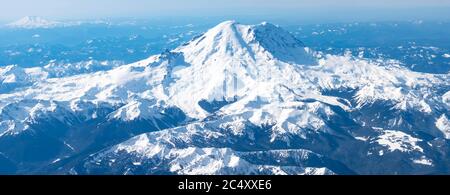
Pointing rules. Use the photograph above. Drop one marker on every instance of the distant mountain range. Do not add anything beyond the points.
(238, 99)
(36, 22)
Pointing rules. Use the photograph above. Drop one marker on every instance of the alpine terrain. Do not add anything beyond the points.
(238, 99)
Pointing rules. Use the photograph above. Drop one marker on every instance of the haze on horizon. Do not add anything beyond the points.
(319, 10)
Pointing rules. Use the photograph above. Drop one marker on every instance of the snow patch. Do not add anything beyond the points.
(423, 161)
(397, 140)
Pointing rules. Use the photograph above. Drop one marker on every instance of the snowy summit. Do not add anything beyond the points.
(30, 22)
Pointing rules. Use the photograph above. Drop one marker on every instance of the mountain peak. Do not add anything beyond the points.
(231, 23)
(231, 39)
(228, 23)
(229, 60)
(33, 22)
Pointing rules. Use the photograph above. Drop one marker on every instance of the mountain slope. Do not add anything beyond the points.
(238, 99)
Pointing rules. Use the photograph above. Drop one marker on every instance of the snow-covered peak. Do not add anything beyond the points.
(251, 43)
(30, 22)
(232, 60)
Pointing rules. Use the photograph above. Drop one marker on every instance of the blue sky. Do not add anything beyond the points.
(319, 9)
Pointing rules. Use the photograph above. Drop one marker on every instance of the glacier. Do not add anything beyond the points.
(237, 99)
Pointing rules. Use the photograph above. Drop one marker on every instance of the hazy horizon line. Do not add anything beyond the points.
(305, 16)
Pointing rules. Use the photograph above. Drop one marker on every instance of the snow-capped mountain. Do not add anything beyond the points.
(31, 22)
(36, 22)
(238, 99)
